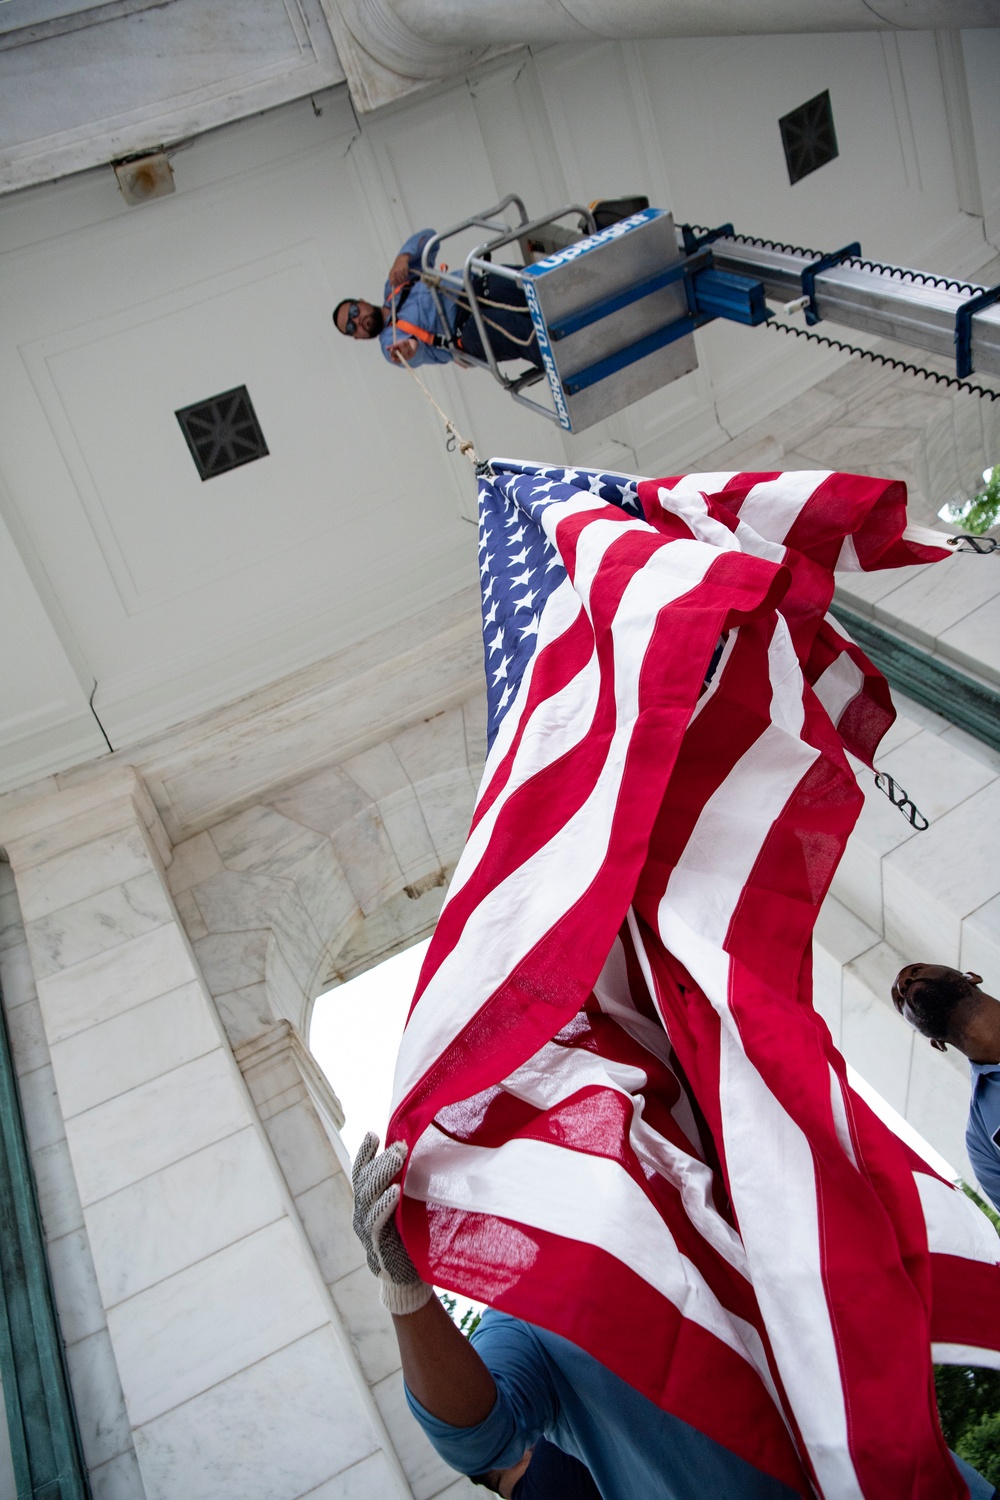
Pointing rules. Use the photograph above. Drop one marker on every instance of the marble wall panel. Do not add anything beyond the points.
(325, 1210)
(356, 1295)
(85, 928)
(233, 960)
(975, 640)
(77, 873)
(140, 1044)
(875, 1040)
(934, 776)
(155, 1124)
(96, 1387)
(936, 598)
(474, 724)
(261, 838)
(432, 747)
(326, 895)
(447, 802)
(324, 801)
(427, 1473)
(81, 1311)
(29, 1045)
(191, 918)
(261, 1295)
(372, 1476)
(937, 1102)
(194, 861)
(156, 1227)
(40, 1106)
(118, 1479)
(271, 1449)
(97, 1394)
(245, 1012)
(933, 882)
(980, 948)
(378, 771)
(114, 981)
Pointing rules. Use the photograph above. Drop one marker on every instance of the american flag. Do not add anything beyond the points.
(626, 1121)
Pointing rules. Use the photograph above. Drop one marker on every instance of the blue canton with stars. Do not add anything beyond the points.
(518, 566)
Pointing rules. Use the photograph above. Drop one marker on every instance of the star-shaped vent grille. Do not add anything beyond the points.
(222, 432)
(808, 137)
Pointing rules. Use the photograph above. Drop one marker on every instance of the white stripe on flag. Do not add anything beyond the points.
(773, 506)
(590, 1199)
(780, 1230)
(839, 685)
(556, 1073)
(955, 1226)
(522, 908)
(763, 1145)
(965, 1354)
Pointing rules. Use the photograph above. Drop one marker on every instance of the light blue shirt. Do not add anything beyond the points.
(981, 1136)
(633, 1449)
(417, 307)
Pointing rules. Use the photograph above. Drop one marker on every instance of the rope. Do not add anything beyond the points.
(454, 438)
(885, 359)
(432, 278)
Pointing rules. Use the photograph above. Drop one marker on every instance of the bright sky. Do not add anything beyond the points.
(356, 1030)
(355, 1037)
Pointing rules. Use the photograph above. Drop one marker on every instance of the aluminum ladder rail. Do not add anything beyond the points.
(891, 301)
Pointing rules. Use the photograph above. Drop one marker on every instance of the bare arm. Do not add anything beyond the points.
(442, 1369)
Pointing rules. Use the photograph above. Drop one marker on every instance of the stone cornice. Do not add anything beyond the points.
(213, 766)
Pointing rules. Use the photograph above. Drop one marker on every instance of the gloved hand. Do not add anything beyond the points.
(376, 1194)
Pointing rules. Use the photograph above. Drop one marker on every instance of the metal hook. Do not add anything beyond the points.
(981, 544)
(899, 799)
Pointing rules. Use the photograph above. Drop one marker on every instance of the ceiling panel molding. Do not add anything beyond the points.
(140, 78)
(213, 766)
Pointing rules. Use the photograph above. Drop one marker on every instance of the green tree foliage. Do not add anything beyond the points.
(980, 1446)
(965, 1398)
(468, 1322)
(970, 1192)
(977, 515)
(969, 1399)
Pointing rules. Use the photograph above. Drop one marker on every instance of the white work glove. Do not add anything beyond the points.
(376, 1194)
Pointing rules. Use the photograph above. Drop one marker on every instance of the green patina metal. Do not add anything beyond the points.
(929, 679)
(44, 1440)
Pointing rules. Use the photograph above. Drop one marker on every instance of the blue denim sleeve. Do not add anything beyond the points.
(413, 247)
(986, 1165)
(979, 1488)
(426, 354)
(526, 1401)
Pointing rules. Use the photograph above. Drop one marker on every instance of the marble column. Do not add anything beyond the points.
(214, 1319)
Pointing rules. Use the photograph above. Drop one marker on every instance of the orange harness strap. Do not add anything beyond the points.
(417, 333)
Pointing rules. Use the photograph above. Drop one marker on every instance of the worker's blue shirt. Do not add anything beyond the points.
(547, 1386)
(414, 304)
(982, 1137)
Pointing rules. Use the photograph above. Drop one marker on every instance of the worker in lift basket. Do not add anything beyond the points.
(408, 326)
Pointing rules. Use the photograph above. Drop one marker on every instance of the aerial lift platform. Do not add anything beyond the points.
(615, 309)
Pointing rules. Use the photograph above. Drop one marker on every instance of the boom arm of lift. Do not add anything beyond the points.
(614, 310)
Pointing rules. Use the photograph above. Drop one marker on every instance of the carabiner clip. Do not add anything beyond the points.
(899, 799)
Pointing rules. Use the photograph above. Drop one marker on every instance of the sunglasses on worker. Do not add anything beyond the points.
(350, 327)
